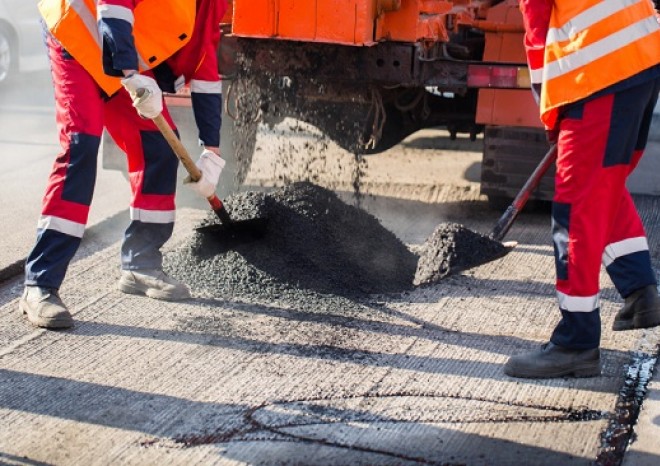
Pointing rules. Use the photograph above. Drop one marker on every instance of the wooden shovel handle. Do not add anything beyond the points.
(191, 168)
(182, 154)
(177, 147)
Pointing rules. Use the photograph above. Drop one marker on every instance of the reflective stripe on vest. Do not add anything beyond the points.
(125, 14)
(160, 29)
(593, 45)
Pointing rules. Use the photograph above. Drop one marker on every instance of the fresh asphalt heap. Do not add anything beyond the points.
(452, 248)
(314, 242)
(322, 255)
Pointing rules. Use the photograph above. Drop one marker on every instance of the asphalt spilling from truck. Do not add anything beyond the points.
(296, 104)
(314, 242)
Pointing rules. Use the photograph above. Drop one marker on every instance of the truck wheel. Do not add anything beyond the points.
(510, 156)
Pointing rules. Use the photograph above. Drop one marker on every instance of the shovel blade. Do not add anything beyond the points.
(437, 261)
(508, 247)
(235, 231)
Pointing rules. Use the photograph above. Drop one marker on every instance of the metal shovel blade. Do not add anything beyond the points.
(508, 246)
(236, 230)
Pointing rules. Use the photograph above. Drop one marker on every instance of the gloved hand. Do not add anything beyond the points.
(145, 93)
(211, 165)
(552, 135)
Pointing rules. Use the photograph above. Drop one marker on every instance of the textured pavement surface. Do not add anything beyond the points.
(408, 379)
(413, 378)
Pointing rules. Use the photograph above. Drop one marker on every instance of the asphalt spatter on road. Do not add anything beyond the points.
(620, 430)
(452, 248)
(326, 421)
(314, 243)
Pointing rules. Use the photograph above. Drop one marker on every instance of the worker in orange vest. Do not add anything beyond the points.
(595, 71)
(108, 56)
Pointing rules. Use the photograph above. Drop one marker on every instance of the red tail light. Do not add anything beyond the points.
(503, 77)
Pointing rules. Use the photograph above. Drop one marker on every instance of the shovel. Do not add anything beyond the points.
(504, 223)
(470, 249)
(228, 228)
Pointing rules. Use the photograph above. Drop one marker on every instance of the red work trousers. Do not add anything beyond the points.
(595, 220)
(82, 112)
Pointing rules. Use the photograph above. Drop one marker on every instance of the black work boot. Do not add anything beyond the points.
(640, 310)
(554, 361)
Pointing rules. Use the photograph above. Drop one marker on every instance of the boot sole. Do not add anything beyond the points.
(582, 371)
(135, 289)
(65, 322)
(640, 320)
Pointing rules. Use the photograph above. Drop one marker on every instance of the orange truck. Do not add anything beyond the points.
(368, 73)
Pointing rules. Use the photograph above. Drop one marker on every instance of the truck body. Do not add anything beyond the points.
(368, 73)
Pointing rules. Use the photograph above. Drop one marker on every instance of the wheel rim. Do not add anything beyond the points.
(5, 56)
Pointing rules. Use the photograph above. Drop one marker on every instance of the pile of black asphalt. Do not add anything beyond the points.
(313, 242)
(453, 248)
(316, 243)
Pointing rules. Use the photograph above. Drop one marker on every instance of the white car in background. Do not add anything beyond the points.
(21, 39)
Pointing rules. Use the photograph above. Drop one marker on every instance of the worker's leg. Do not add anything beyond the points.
(589, 186)
(591, 174)
(626, 255)
(65, 209)
(605, 221)
(152, 170)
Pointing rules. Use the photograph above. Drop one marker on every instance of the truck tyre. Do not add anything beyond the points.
(510, 156)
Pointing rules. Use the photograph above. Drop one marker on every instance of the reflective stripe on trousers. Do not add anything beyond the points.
(594, 219)
(81, 113)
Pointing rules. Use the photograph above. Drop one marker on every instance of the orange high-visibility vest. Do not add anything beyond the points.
(594, 44)
(160, 28)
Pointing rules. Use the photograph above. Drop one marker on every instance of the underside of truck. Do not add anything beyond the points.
(366, 99)
(378, 71)
(369, 73)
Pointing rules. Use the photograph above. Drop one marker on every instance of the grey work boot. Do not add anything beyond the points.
(554, 361)
(44, 308)
(640, 310)
(152, 283)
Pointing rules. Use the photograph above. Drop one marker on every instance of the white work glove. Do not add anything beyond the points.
(145, 93)
(211, 165)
